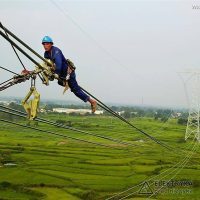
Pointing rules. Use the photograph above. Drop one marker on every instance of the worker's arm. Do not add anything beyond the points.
(58, 62)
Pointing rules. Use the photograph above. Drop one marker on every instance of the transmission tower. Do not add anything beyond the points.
(194, 110)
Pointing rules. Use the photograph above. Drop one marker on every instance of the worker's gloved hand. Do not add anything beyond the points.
(25, 72)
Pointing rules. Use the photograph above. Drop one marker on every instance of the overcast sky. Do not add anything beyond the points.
(127, 52)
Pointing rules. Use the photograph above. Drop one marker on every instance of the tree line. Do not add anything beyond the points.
(127, 112)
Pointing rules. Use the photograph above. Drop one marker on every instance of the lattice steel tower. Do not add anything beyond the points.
(194, 110)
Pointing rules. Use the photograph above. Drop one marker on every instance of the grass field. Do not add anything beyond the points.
(36, 165)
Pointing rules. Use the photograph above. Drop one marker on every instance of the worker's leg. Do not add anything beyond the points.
(75, 88)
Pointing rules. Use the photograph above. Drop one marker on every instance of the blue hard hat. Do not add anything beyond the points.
(47, 39)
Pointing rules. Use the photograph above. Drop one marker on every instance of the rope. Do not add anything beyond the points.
(8, 70)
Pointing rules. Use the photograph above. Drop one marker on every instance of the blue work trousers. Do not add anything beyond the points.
(75, 88)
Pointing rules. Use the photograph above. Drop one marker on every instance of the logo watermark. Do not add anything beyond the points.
(173, 183)
(171, 187)
(196, 7)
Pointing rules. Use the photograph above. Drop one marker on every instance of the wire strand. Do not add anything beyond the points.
(13, 47)
(153, 178)
(70, 128)
(58, 134)
(105, 107)
(8, 70)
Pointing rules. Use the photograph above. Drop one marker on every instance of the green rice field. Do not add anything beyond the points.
(36, 165)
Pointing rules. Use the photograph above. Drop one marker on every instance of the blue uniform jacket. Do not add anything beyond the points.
(57, 57)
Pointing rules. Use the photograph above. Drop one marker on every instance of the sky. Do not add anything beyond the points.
(125, 52)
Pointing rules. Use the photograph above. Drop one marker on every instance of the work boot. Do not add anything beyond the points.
(93, 105)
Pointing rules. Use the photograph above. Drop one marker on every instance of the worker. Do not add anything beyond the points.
(65, 68)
